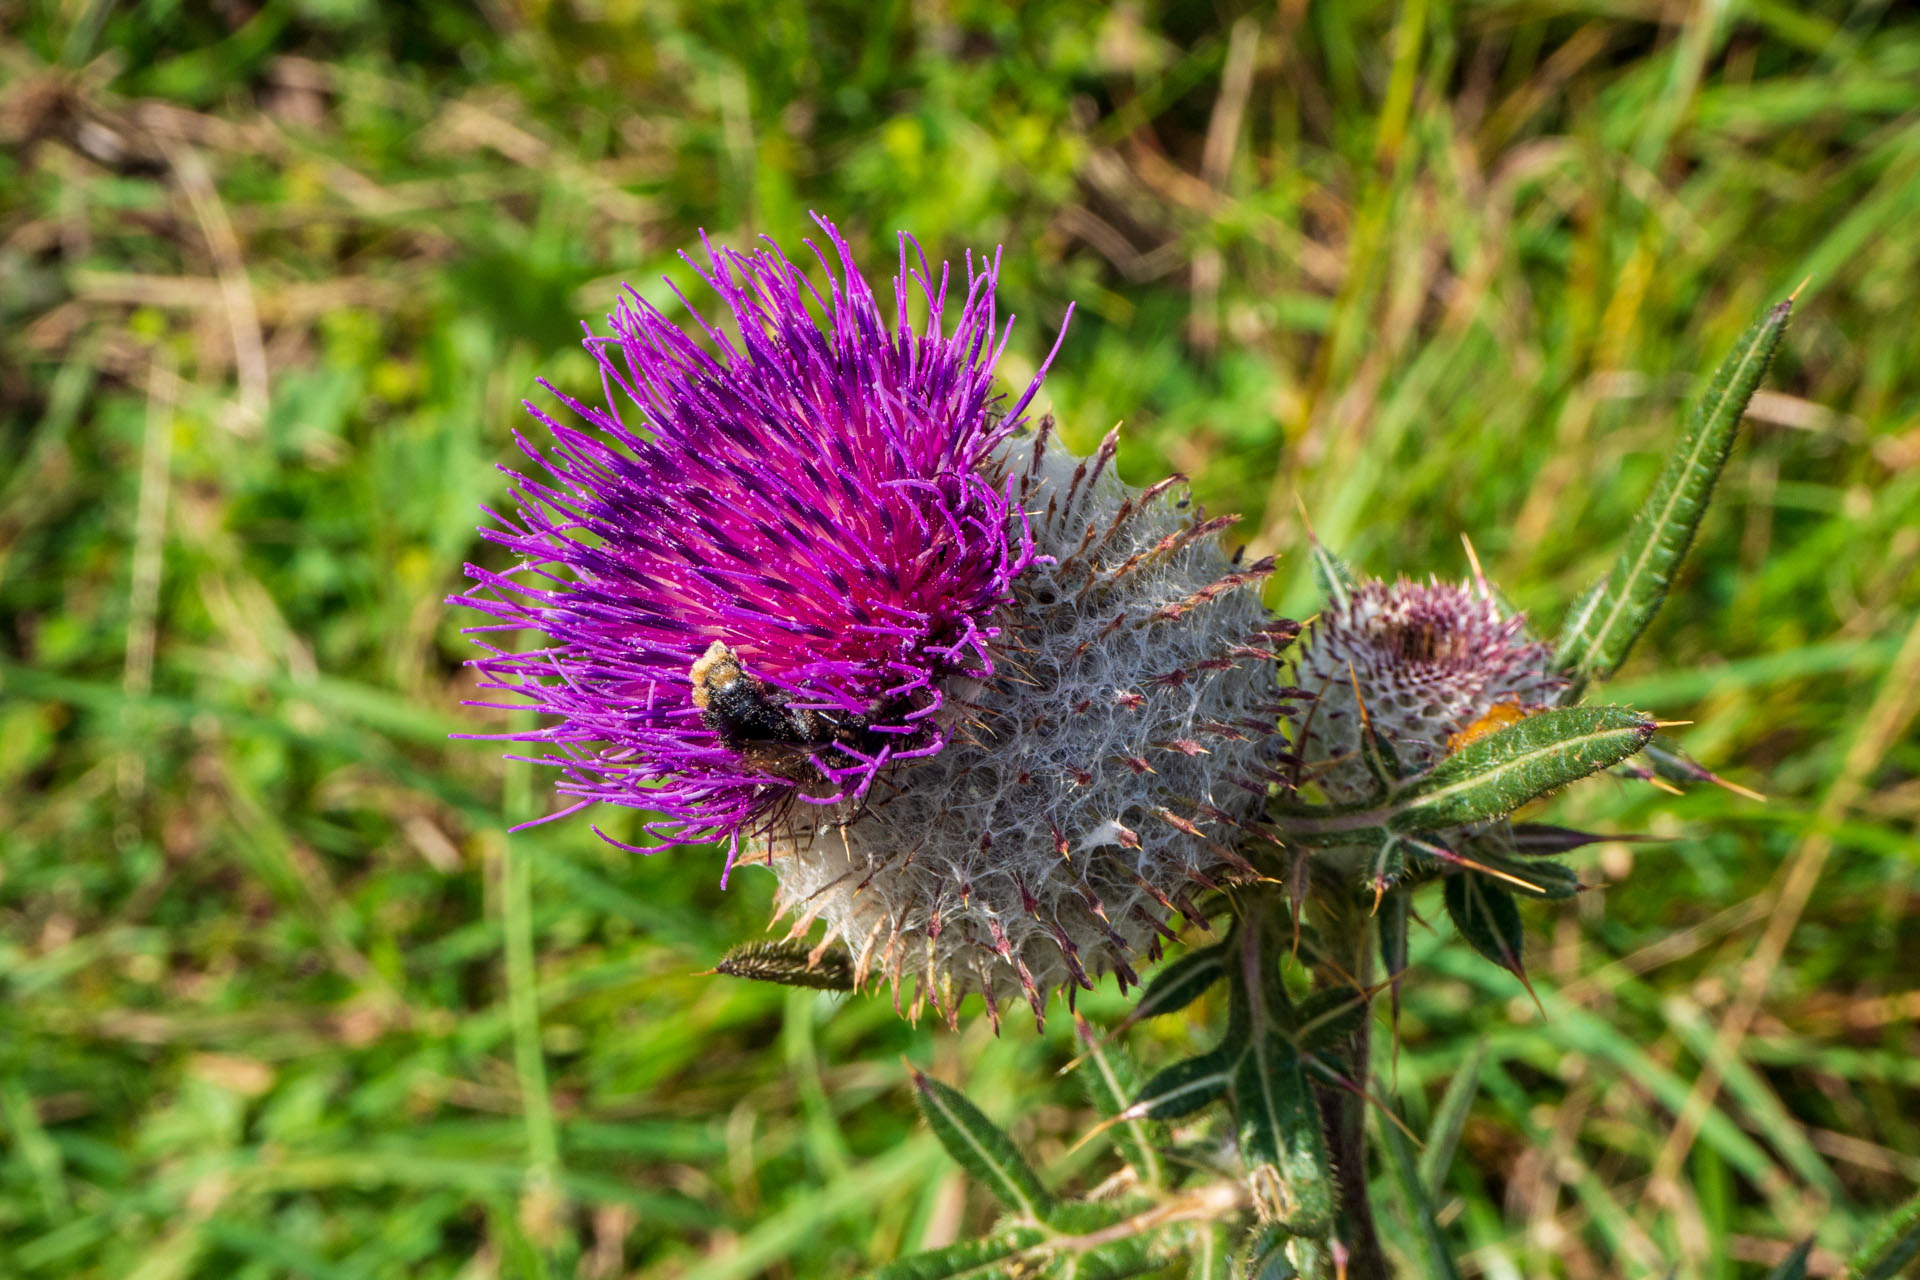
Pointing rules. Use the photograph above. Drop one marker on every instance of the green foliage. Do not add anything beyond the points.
(1484, 913)
(1180, 982)
(1281, 1144)
(1267, 1257)
(1186, 1086)
(1416, 1203)
(969, 1260)
(1602, 628)
(1258, 1069)
(1483, 781)
(1110, 1078)
(981, 1148)
(1892, 1248)
(1061, 1238)
(1494, 775)
(1333, 576)
(1449, 1122)
(1794, 1267)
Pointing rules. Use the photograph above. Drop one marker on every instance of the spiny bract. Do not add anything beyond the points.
(1107, 771)
(1427, 663)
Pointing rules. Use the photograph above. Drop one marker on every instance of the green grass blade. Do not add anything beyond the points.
(1450, 1120)
(1603, 631)
(1415, 1200)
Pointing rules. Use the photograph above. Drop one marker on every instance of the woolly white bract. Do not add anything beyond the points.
(1124, 747)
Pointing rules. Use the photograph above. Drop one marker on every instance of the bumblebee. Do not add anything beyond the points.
(740, 708)
(756, 721)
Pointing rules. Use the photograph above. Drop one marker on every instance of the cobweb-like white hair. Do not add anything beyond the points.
(1107, 773)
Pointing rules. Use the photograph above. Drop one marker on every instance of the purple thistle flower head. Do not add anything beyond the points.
(760, 564)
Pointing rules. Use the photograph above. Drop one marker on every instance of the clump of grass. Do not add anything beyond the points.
(281, 998)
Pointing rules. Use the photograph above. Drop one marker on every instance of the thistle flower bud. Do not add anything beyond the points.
(987, 712)
(1428, 665)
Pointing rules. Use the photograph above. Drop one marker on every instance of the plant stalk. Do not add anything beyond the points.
(1344, 1112)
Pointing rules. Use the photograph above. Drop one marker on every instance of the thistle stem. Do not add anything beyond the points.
(1343, 1112)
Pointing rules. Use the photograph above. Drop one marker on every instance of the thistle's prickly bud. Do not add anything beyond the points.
(1430, 665)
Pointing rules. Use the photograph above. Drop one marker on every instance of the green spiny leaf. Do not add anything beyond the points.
(1388, 866)
(1600, 635)
(1893, 1244)
(1110, 1079)
(1185, 1087)
(1327, 1017)
(1495, 775)
(981, 1148)
(1212, 1253)
(1487, 918)
(1085, 1217)
(1395, 923)
(1181, 982)
(1267, 1256)
(1130, 1256)
(968, 1260)
(1580, 616)
(1281, 1143)
(788, 963)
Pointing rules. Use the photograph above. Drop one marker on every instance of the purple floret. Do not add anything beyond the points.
(824, 502)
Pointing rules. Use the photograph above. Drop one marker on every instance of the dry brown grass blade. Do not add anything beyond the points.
(223, 245)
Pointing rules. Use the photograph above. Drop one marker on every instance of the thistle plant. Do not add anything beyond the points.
(806, 583)
(988, 713)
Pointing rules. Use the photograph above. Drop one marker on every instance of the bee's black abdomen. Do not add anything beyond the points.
(738, 707)
(742, 712)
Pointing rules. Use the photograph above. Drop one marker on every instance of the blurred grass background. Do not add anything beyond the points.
(278, 997)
